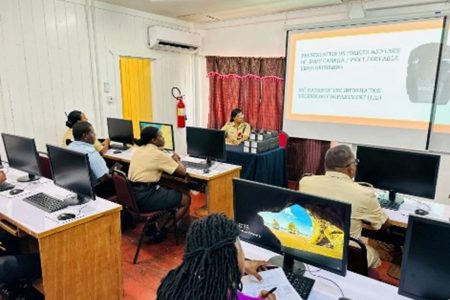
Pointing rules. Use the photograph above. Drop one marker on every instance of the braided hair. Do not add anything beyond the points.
(210, 265)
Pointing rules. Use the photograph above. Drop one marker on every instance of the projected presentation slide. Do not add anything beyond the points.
(440, 131)
(374, 82)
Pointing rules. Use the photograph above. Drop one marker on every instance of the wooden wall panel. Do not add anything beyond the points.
(55, 56)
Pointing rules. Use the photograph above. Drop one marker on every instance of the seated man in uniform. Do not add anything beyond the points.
(77, 116)
(338, 184)
(84, 142)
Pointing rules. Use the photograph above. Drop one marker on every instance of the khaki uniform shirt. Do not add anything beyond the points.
(69, 136)
(365, 206)
(235, 136)
(148, 163)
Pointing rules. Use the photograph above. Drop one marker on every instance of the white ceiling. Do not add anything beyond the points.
(207, 11)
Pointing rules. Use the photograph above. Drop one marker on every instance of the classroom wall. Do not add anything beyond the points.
(58, 55)
(266, 36)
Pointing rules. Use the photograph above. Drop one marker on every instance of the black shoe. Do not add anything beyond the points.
(159, 236)
(7, 293)
(151, 230)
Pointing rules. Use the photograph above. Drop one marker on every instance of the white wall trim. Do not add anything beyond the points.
(170, 22)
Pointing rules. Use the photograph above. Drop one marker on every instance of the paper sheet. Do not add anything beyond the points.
(271, 278)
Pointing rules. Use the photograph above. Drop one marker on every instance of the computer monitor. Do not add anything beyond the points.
(120, 131)
(206, 143)
(22, 155)
(70, 170)
(303, 227)
(425, 270)
(398, 171)
(166, 131)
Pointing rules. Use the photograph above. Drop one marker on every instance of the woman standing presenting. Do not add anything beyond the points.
(236, 129)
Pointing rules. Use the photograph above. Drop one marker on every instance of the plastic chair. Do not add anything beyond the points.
(125, 197)
(44, 165)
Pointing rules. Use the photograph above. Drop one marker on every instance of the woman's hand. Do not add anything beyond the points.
(271, 296)
(176, 157)
(106, 142)
(252, 267)
(2, 177)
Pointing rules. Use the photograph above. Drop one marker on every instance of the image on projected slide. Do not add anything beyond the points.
(373, 75)
(299, 230)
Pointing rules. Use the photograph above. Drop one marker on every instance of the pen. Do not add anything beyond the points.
(269, 292)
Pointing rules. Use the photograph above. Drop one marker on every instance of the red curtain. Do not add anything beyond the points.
(255, 85)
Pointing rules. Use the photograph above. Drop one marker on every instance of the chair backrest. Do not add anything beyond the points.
(44, 164)
(283, 138)
(124, 191)
(357, 257)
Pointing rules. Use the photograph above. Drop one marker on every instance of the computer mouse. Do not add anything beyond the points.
(15, 191)
(206, 171)
(420, 212)
(117, 151)
(66, 216)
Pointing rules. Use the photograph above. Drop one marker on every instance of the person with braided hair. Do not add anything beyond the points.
(212, 265)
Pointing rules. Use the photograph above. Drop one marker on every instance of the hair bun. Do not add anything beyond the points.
(139, 142)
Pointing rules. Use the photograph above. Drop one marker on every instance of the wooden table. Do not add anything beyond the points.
(219, 182)
(80, 258)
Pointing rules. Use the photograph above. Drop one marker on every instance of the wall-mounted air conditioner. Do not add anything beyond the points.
(163, 38)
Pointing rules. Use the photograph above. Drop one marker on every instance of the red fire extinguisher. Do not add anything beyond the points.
(181, 112)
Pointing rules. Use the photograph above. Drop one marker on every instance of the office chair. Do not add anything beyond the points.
(126, 198)
(357, 259)
(44, 165)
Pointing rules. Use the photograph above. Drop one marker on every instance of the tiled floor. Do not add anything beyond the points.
(142, 279)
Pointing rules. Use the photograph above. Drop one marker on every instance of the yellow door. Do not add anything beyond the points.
(136, 90)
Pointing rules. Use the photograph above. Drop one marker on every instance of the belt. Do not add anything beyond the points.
(147, 184)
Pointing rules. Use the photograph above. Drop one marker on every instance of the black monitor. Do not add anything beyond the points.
(22, 155)
(70, 170)
(121, 131)
(303, 227)
(206, 143)
(398, 171)
(166, 131)
(425, 270)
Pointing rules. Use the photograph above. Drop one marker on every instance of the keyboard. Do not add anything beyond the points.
(118, 147)
(303, 285)
(388, 204)
(6, 186)
(45, 202)
(195, 165)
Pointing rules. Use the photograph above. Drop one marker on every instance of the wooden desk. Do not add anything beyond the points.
(219, 182)
(80, 259)
(353, 285)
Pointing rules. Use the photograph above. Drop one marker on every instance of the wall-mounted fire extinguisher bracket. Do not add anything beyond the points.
(181, 111)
